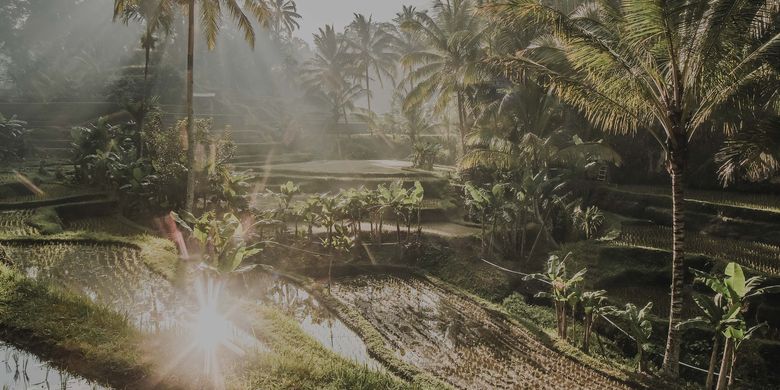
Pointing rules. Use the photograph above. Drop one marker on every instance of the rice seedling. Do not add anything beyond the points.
(14, 222)
(764, 202)
(760, 257)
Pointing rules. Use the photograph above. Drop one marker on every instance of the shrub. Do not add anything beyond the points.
(12, 144)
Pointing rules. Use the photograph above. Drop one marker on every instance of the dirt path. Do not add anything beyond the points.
(459, 341)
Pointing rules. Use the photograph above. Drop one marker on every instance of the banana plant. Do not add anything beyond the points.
(223, 240)
(339, 244)
(639, 326)
(309, 211)
(478, 199)
(412, 206)
(736, 292)
(329, 213)
(594, 305)
(562, 288)
(353, 205)
(713, 310)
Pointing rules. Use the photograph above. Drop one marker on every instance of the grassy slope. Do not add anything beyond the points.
(100, 344)
(300, 362)
(89, 340)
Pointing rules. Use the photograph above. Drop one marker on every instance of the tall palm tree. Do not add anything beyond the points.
(284, 17)
(156, 15)
(211, 12)
(328, 74)
(451, 62)
(406, 41)
(370, 45)
(660, 67)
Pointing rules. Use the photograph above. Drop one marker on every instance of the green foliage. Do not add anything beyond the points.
(328, 75)
(12, 139)
(224, 241)
(94, 147)
(370, 51)
(562, 291)
(424, 154)
(588, 221)
(639, 326)
(46, 221)
(516, 305)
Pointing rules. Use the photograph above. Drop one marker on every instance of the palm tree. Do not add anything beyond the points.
(155, 14)
(370, 46)
(327, 75)
(406, 41)
(211, 19)
(284, 17)
(665, 69)
(451, 62)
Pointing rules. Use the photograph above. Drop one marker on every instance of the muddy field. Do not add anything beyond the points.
(459, 341)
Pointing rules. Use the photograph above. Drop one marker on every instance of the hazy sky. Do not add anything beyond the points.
(317, 13)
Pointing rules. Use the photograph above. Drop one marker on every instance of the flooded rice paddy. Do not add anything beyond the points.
(313, 317)
(109, 274)
(458, 340)
(22, 370)
(115, 275)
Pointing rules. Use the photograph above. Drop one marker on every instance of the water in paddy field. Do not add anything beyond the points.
(22, 370)
(458, 340)
(112, 275)
(313, 317)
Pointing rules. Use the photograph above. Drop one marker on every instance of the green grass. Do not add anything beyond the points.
(157, 253)
(46, 221)
(297, 361)
(89, 340)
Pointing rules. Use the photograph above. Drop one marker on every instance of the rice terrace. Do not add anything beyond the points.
(366, 194)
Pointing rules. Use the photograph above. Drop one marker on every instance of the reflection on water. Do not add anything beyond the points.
(115, 276)
(314, 318)
(22, 370)
(112, 275)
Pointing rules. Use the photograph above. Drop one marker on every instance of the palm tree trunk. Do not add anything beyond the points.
(461, 122)
(145, 91)
(368, 90)
(713, 361)
(147, 50)
(190, 196)
(725, 364)
(672, 352)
